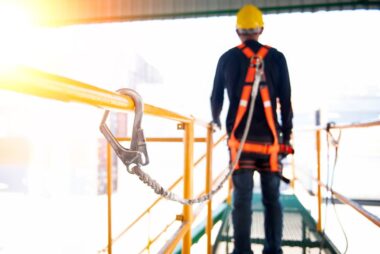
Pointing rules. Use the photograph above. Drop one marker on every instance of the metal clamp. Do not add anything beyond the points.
(137, 154)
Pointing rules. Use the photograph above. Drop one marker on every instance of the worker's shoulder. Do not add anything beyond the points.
(235, 53)
(231, 54)
(275, 56)
(273, 51)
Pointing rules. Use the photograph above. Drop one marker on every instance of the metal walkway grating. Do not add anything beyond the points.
(299, 233)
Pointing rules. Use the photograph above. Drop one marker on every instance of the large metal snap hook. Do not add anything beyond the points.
(258, 63)
(137, 154)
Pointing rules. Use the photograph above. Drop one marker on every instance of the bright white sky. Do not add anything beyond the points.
(329, 54)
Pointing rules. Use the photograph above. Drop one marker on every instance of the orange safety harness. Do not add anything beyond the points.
(273, 150)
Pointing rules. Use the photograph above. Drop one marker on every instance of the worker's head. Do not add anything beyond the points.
(249, 22)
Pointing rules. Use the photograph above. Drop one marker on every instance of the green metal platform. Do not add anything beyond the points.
(299, 233)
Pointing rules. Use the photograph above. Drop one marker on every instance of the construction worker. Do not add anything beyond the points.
(235, 72)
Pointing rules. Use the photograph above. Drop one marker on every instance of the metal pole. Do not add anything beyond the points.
(188, 183)
(319, 193)
(319, 189)
(209, 186)
(109, 196)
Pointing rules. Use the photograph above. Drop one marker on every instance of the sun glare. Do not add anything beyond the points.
(16, 26)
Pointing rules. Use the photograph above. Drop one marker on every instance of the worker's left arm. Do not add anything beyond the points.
(285, 99)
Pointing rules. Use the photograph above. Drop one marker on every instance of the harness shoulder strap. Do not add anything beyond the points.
(270, 149)
(249, 78)
(273, 159)
(246, 93)
(247, 51)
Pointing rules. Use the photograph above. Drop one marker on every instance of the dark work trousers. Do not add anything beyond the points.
(242, 211)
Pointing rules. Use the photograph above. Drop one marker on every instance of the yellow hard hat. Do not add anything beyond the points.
(249, 17)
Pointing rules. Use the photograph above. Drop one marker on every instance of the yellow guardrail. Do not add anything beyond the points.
(318, 130)
(38, 83)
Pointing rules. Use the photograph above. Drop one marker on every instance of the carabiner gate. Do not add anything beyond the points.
(137, 154)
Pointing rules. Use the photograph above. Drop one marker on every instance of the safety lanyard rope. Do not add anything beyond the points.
(335, 142)
(137, 155)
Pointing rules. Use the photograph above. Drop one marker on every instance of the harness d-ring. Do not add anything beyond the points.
(137, 154)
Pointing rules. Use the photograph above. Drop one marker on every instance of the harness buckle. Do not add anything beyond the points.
(257, 62)
(137, 153)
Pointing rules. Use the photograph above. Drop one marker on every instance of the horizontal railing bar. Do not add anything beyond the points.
(338, 126)
(367, 202)
(38, 83)
(356, 125)
(371, 217)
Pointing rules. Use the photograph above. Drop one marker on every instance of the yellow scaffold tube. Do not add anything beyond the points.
(109, 197)
(188, 183)
(38, 83)
(209, 222)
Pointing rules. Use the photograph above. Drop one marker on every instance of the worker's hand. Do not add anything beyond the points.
(286, 148)
(217, 123)
(289, 143)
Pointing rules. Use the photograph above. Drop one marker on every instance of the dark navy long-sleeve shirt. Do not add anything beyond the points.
(230, 74)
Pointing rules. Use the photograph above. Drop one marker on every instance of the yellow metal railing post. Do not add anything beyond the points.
(293, 167)
(209, 223)
(109, 196)
(188, 182)
(319, 192)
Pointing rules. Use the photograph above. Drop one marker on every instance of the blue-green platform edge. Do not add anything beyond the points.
(290, 204)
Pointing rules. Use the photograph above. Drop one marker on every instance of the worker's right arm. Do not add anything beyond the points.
(217, 95)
